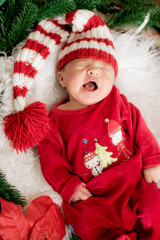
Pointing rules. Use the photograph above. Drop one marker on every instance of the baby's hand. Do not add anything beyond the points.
(82, 194)
(152, 174)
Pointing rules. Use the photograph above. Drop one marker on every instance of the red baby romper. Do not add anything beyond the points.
(104, 147)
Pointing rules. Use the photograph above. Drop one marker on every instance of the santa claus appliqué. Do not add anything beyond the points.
(115, 132)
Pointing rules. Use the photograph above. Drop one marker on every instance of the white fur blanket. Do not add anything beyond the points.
(138, 79)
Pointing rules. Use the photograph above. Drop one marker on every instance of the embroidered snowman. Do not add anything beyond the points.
(91, 161)
(115, 132)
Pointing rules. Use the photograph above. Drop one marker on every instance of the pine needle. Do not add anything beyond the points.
(54, 8)
(130, 13)
(2, 1)
(87, 4)
(9, 192)
(21, 25)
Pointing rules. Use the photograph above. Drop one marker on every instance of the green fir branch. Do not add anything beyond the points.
(107, 6)
(128, 13)
(2, 43)
(10, 8)
(126, 18)
(155, 20)
(2, 32)
(9, 192)
(8, 16)
(2, 1)
(55, 8)
(2, 28)
(21, 25)
(87, 4)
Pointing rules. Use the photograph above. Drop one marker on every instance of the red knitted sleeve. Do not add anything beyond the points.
(55, 167)
(141, 135)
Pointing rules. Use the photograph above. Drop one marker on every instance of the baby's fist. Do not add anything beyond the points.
(82, 194)
(152, 174)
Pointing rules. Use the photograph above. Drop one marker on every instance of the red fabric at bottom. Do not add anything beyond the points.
(120, 208)
(147, 206)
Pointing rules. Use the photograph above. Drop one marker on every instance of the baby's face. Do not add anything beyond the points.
(87, 81)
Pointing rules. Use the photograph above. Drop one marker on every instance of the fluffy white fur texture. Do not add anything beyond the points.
(138, 79)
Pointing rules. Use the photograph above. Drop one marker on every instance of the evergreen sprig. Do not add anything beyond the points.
(9, 192)
(2, 1)
(155, 19)
(2, 32)
(21, 25)
(129, 13)
(87, 4)
(18, 17)
(55, 8)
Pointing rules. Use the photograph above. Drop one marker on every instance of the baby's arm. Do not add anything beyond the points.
(146, 143)
(82, 194)
(152, 174)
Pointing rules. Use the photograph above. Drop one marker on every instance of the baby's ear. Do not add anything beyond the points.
(61, 78)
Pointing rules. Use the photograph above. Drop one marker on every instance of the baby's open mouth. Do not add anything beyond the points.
(90, 86)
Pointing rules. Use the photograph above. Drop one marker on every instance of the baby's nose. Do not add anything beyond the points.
(94, 71)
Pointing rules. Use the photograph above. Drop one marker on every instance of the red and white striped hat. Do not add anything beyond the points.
(84, 35)
(90, 38)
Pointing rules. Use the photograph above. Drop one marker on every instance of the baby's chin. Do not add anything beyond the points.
(94, 99)
(90, 102)
(87, 99)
